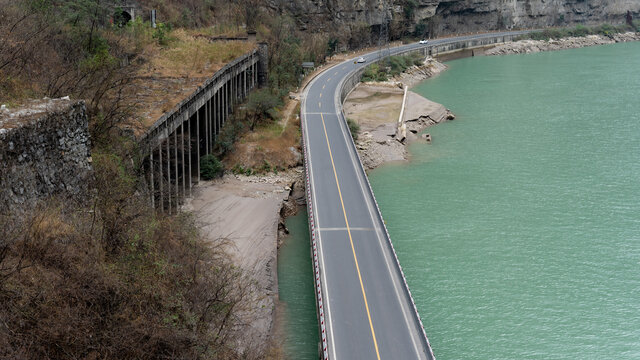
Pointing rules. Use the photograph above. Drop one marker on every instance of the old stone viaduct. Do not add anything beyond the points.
(175, 143)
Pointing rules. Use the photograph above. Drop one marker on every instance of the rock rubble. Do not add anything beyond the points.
(534, 46)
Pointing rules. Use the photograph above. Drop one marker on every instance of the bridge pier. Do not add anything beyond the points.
(178, 140)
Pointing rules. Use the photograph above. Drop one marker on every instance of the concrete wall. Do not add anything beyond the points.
(44, 150)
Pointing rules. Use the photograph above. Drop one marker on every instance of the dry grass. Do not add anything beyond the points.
(169, 74)
(372, 105)
(188, 56)
(223, 30)
(270, 144)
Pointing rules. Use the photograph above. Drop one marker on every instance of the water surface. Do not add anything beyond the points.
(519, 228)
(296, 291)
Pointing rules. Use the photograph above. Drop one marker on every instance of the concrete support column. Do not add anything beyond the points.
(219, 110)
(168, 172)
(152, 186)
(182, 164)
(206, 129)
(232, 99)
(254, 69)
(229, 91)
(224, 103)
(212, 128)
(207, 104)
(160, 176)
(175, 164)
(190, 154)
(263, 65)
(197, 148)
(216, 129)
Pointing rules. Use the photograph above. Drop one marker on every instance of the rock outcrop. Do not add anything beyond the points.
(534, 46)
(44, 151)
(436, 18)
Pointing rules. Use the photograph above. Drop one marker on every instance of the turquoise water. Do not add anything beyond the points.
(295, 285)
(519, 228)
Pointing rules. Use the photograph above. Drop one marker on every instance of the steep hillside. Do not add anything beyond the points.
(435, 18)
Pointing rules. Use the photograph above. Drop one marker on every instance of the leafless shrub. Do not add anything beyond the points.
(163, 293)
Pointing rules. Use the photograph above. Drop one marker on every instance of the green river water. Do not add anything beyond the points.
(518, 228)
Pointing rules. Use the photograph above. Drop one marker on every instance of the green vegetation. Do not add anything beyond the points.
(161, 33)
(265, 168)
(210, 167)
(390, 67)
(354, 128)
(578, 31)
(374, 73)
(261, 107)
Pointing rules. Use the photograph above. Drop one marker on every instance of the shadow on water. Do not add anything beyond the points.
(295, 285)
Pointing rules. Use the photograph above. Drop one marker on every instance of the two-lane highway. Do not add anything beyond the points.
(366, 308)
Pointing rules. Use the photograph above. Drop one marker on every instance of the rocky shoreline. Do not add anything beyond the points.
(375, 106)
(534, 46)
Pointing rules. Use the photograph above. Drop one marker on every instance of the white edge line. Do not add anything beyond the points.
(323, 284)
(355, 159)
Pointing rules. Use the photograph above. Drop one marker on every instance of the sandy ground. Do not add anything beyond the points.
(246, 210)
(376, 108)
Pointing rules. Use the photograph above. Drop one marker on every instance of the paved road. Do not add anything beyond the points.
(368, 311)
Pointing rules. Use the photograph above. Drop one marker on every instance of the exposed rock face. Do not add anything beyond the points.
(478, 15)
(453, 16)
(44, 150)
(324, 15)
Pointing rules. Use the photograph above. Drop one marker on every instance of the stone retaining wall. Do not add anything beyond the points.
(44, 150)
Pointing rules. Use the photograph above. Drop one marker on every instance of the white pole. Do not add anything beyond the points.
(401, 130)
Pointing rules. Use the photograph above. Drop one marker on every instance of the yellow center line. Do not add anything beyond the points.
(319, 104)
(323, 86)
(355, 258)
(320, 95)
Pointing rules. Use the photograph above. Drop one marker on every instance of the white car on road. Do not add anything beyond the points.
(361, 60)
(423, 41)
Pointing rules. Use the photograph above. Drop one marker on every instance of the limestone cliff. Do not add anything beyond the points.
(434, 18)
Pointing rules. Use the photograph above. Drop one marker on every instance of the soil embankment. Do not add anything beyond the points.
(534, 46)
(376, 108)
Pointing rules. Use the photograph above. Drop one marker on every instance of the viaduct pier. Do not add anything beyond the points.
(175, 143)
